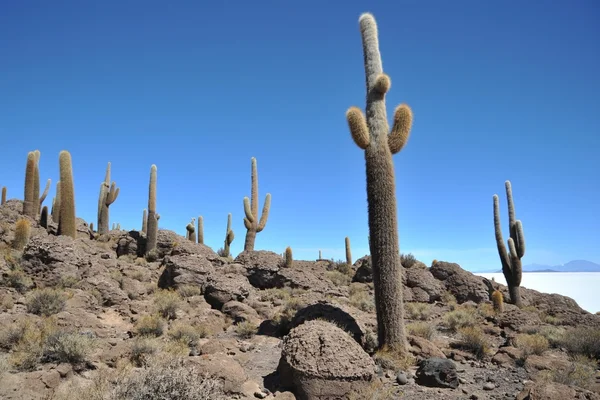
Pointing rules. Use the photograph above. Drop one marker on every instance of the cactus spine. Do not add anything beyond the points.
(251, 222)
(67, 223)
(3, 195)
(29, 198)
(145, 221)
(289, 259)
(200, 229)
(152, 216)
(191, 230)
(511, 259)
(229, 236)
(108, 194)
(373, 136)
(348, 252)
(56, 205)
(498, 301)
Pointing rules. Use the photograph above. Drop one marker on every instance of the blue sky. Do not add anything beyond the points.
(499, 90)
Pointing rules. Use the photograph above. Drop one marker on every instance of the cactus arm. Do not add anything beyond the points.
(502, 252)
(401, 128)
(520, 242)
(265, 213)
(358, 127)
(46, 189)
(112, 194)
(248, 211)
(254, 189)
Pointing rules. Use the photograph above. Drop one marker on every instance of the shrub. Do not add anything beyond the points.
(472, 339)
(553, 334)
(581, 372)
(29, 349)
(407, 260)
(584, 341)
(460, 318)
(420, 311)
(189, 290)
(531, 344)
(344, 268)
(274, 294)
(45, 301)
(338, 278)
(187, 334)
(68, 347)
(421, 329)
(141, 349)
(150, 325)
(246, 329)
(392, 359)
(167, 303)
(362, 300)
(17, 279)
(449, 299)
(67, 281)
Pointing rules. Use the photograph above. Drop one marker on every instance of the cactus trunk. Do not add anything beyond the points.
(3, 195)
(251, 221)
(29, 197)
(200, 229)
(67, 224)
(108, 194)
(152, 233)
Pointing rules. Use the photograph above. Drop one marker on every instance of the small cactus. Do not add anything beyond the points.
(498, 301)
(29, 197)
(67, 223)
(200, 229)
(22, 232)
(288, 257)
(145, 221)
(3, 195)
(191, 231)
(348, 252)
(320, 255)
(108, 194)
(229, 236)
(44, 217)
(152, 233)
(251, 221)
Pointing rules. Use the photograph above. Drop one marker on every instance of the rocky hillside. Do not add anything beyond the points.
(92, 318)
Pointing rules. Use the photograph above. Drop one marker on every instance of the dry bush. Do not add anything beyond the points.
(246, 329)
(17, 279)
(6, 302)
(449, 299)
(186, 291)
(68, 281)
(167, 303)
(392, 359)
(531, 344)
(418, 311)
(188, 334)
(408, 260)
(473, 339)
(344, 268)
(421, 329)
(29, 348)
(141, 349)
(584, 341)
(338, 278)
(460, 318)
(68, 347)
(45, 301)
(150, 325)
(361, 299)
(553, 334)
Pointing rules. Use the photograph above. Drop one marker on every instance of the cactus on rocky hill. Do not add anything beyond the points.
(229, 236)
(374, 137)
(44, 194)
(511, 260)
(191, 230)
(498, 301)
(3, 195)
(67, 223)
(152, 226)
(251, 221)
(201, 229)
(348, 251)
(289, 259)
(108, 194)
(22, 232)
(145, 221)
(29, 197)
(44, 217)
(56, 205)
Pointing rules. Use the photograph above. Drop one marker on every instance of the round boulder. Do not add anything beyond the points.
(321, 361)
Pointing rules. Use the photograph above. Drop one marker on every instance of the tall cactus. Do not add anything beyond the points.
(373, 136)
(191, 230)
(67, 223)
(512, 267)
(108, 195)
(348, 251)
(56, 204)
(36, 183)
(3, 195)
(145, 221)
(44, 194)
(152, 233)
(201, 229)
(30, 196)
(251, 222)
(229, 236)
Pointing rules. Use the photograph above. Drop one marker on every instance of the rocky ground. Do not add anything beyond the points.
(91, 318)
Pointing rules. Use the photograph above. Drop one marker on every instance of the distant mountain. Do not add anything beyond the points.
(571, 266)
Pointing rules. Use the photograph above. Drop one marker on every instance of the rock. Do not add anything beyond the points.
(220, 289)
(423, 348)
(224, 368)
(424, 287)
(489, 386)
(240, 312)
(437, 372)
(462, 284)
(320, 361)
(364, 270)
(401, 378)
(546, 391)
(262, 268)
(181, 270)
(170, 243)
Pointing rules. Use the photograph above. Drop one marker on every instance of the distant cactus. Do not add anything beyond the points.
(200, 229)
(44, 217)
(114, 226)
(511, 259)
(92, 227)
(56, 205)
(108, 194)
(67, 223)
(498, 300)
(29, 198)
(348, 252)
(289, 259)
(3, 195)
(36, 184)
(145, 221)
(22, 232)
(118, 226)
(152, 226)
(373, 136)
(229, 236)
(320, 255)
(45, 193)
(191, 230)
(251, 221)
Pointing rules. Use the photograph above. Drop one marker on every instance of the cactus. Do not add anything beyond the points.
(289, 259)
(92, 227)
(67, 223)
(191, 231)
(22, 231)
(36, 184)
(498, 301)
(108, 194)
(145, 221)
(56, 205)
(320, 255)
(44, 217)
(229, 236)
(44, 194)
(200, 229)
(3, 195)
(118, 226)
(373, 136)
(29, 198)
(348, 252)
(251, 222)
(152, 216)
(511, 259)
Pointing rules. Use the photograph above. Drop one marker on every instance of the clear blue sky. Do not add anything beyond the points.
(499, 90)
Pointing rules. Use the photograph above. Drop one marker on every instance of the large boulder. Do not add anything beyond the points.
(262, 268)
(221, 289)
(422, 285)
(181, 270)
(364, 270)
(321, 361)
(437, 372)
(462, 284)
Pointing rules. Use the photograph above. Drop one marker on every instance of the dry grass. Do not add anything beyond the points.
(421, 329)
(392, 359)
(417, 311)
(581, 372)
(473, 339)
(150, 325)
(461, 317)
(46, 301)
(360, 298)
(246, 329)
(167, 303)
(17, 279)
(531, 344)
(338, 278)
(583, 341)
(188, 334)
(186, 291)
